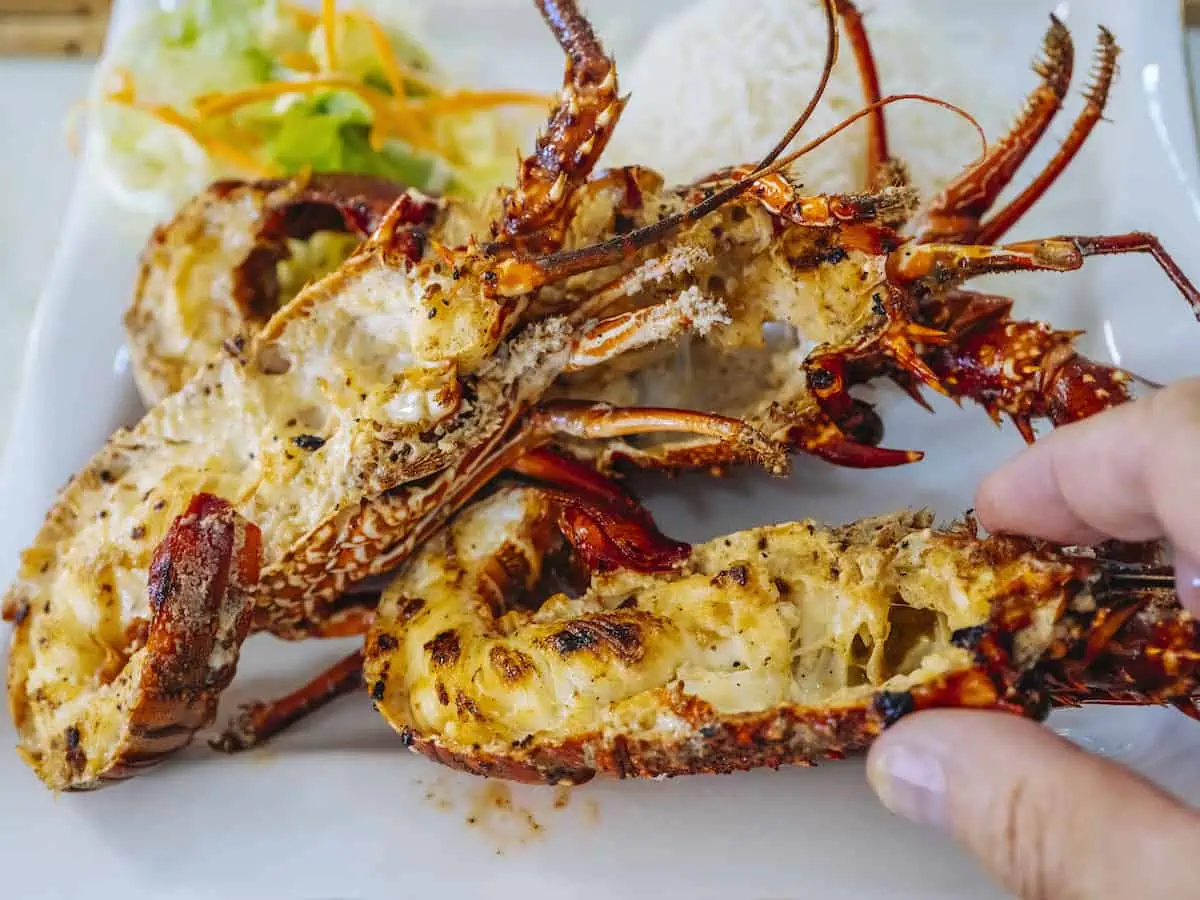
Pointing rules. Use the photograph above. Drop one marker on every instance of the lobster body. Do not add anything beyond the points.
(151, 685)
(346, 429)
(781, 645)
(232, 257)
(350, 425)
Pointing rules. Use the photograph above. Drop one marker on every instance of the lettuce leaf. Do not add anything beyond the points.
(332, 133)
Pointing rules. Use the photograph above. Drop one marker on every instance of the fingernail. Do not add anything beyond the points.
(911, 782)
(1187, 580)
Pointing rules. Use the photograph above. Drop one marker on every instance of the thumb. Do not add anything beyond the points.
(1046, 819)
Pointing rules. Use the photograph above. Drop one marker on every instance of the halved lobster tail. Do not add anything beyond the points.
(101, 717)
(786, 644)
(229, 252)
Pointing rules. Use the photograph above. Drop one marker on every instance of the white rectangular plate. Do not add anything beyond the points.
(336, 809)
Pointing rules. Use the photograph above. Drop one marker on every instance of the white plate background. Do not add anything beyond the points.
(336, 809)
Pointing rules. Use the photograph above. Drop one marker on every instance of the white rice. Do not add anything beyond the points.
(721, 82)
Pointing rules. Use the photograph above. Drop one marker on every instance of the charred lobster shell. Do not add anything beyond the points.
(782, 645)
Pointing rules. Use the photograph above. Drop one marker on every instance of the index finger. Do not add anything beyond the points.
(1131, 473)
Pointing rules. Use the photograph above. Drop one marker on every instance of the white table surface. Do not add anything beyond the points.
(36, 176)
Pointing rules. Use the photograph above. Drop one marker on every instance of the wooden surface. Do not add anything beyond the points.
(55, 7)
(53, 27)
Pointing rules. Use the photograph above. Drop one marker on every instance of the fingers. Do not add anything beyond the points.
(1132, 473)
(1187, 577)
(1046, 819)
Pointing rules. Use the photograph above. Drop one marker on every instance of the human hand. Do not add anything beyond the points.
(1045, 818)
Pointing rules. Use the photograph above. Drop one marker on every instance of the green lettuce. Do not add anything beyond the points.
(331, 132)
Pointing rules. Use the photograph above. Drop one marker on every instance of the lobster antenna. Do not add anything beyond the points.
(831, 54)
(1138, 576)
(786, 161)
(1144, 381)
(563, 264)
(566, 263)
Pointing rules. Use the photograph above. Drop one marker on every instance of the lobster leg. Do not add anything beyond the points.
(894, 344)
(953, 216)
(257, 723)
(576, 134)
(1096, 98)
(886, 209)
(941, 264)
(804, 429)
(604, 523)
(817, 435)
(882, 170)
(1026, 370)
(599, 421)
(626, 332)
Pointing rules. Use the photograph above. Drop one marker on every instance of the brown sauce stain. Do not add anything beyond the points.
(508, 817)
(591, 811)
(506, 824)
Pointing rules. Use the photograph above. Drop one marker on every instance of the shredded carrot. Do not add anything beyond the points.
(463, 100)
(412, 128)
(218, 104)
(124, 87)
(387, 59)
(218, 148)
(329, 26)
(386, 120)
(397, 73)
(300, 61)
(214, 146)
(304, 18)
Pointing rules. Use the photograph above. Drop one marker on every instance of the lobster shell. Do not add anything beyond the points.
(782, 645)
(213, 270)
(162, 685)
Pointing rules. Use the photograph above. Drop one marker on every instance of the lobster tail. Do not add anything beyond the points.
(1139, 646)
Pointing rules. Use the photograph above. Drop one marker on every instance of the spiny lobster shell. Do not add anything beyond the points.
(160, 683)
(213, 270)
(782, 645)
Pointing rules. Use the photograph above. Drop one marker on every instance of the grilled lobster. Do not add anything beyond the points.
(385, 395)
(347, 429)
(824, 265)
(231, 258)
(872, 278)
(781, 645)
(875, 280)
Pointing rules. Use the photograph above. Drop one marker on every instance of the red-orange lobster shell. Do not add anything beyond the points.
(782, 645)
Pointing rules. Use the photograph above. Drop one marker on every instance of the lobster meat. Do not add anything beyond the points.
(154, 680)
(347, 429)
(875, 280)
(781, 645)
(836, 269)
(231, 258)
